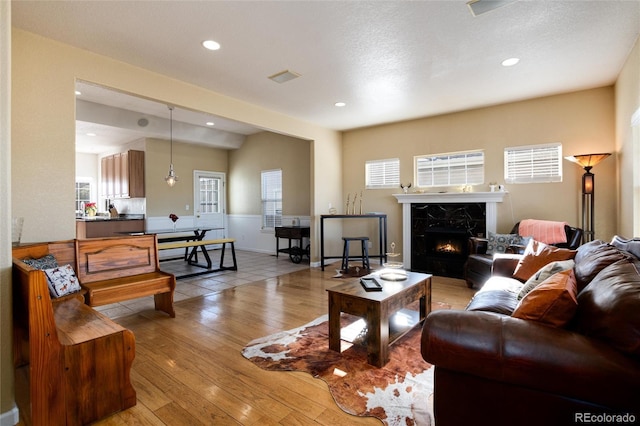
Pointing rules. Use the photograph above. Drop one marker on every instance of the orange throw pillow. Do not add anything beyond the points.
(538, 254)
(553, 302)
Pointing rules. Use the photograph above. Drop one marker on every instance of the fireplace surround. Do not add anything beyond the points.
(439, 235)
(443, 234)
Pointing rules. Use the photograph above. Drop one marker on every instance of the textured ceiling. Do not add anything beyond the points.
(388, 60)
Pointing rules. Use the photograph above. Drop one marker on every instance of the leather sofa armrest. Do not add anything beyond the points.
(516, 249)
(504, 264)
(530, 355)
(478, 245)
(574, 237)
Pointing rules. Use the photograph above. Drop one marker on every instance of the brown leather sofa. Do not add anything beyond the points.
(495, 369)
(477, 268)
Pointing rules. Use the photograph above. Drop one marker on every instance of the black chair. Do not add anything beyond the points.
(477, 268)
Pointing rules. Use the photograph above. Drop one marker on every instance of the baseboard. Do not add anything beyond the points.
(10, 418)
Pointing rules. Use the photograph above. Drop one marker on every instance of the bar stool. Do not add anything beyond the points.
(365, 252)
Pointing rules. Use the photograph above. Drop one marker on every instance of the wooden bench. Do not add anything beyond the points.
(121, 268)
(202, 244)
(79, 360)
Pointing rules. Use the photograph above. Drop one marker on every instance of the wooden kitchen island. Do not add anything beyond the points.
(98, 227)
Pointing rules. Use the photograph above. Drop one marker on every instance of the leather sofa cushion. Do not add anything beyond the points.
(498, 301)
(553, 302)
(502, 283)
(538, 254)
(609, 307)
(593, 257)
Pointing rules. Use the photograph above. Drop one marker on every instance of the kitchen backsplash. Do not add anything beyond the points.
(129, 205)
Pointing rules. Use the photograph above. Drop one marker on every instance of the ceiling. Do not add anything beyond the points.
(107, 119)
(387, 60)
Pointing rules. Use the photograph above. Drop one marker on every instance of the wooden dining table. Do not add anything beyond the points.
(186, 234)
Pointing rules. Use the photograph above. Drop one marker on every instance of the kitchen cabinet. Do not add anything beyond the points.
(123, 175)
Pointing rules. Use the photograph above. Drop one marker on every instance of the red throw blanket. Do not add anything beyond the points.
(546, 231)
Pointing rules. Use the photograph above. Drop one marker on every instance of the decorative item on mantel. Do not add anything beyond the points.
(90, 209)
(405, 189)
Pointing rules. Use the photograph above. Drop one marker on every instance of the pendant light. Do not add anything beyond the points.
(171, 178)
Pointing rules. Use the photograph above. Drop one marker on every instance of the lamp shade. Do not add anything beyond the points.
(587, 183)
(587, 161)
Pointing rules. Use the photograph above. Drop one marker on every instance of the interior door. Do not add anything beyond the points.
(209, 202)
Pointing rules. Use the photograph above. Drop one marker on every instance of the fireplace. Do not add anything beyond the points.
(444, 261)
(439, 235)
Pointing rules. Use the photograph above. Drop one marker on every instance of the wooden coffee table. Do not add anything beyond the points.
(377, 308)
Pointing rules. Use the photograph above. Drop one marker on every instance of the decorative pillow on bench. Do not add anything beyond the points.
(42, 263)
(62, 281)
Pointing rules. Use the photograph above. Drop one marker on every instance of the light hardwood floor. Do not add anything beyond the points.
(190, 371)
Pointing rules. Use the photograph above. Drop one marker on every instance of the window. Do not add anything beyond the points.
(533, 163)
(271, 198)
(382, 173)
(456, 168)
(83, 193)
(209, 191)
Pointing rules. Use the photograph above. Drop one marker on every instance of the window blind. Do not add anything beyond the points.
(462, 168)
(382, 173)
(533, 164)
(271, 198)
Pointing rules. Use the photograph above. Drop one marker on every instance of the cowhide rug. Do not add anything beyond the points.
(400, 393)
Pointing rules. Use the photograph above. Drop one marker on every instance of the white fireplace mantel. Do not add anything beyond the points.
(489, 198)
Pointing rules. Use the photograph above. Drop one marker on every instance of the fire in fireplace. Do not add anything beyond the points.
(449, 247)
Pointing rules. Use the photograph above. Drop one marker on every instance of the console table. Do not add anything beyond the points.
(292, 233)
(382, 234)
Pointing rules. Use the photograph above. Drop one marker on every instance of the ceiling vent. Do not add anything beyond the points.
(284, 76)
(478, 7)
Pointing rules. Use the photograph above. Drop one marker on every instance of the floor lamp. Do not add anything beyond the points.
(587, 161)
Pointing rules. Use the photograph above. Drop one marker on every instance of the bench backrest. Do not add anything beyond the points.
(63, 251)
(108, 258)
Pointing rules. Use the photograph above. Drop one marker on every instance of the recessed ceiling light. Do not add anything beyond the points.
(78, 93)
(211, 45)
(510, 62)
(340, 104)
(91, 134)
(210, 123)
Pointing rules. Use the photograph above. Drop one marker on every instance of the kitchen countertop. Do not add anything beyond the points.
(107, 218)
